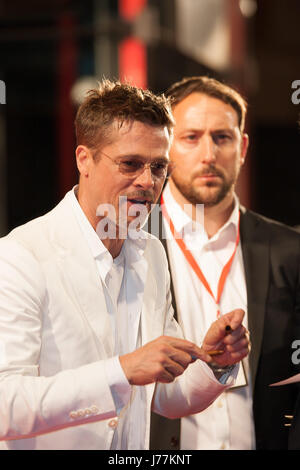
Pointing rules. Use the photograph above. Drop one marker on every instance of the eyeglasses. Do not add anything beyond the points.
(134, 167)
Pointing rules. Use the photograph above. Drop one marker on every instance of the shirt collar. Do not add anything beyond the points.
(182, 221)
(178, 216)
(133, 247)
(96, 246)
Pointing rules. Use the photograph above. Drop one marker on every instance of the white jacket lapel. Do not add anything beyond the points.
(81, 275)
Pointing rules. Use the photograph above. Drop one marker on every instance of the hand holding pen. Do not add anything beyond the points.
(165, 358)
(227, 340)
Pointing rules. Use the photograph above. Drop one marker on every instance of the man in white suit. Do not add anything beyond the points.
(87, 338)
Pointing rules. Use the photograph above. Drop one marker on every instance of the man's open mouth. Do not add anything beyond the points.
(139, 201)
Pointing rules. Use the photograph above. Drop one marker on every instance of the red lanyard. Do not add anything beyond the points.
(194, 265)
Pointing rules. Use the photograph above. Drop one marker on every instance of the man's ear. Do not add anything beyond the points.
(83, 159)
(244, 147)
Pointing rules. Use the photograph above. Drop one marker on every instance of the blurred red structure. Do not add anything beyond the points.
(130, 9)
(132, 51)
(133, 62)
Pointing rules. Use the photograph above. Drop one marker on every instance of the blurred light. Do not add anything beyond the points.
(81, 87)
(203, 31)
(130, 9)
(133, 62)
(248, 7)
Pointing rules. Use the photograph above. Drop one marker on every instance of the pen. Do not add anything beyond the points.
(213, 352)
(217, 352)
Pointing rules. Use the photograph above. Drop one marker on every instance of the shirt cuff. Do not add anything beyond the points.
(119, 386)
(227, 376)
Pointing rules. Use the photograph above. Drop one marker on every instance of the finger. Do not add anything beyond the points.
(234, 318)
(184, 359)
(242, 343)
(173, 359)
(184, 345)
(204, 356)
(174, 369)
(235, 335)
(232, 357)
(169, 371)
(180, 357)
(165, 377)
(237, 356)
(237, 318)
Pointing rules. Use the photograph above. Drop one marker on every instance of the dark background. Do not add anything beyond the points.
(46, 45)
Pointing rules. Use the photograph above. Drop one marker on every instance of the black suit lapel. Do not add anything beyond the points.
(157, 229)
(255, 248)
(164, 242)
(169, 439)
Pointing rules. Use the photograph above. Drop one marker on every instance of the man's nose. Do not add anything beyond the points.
(145, 179)
(207, 151)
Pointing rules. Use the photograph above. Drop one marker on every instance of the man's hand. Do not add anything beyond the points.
(165, 358)
(160, 360)
(235, 343)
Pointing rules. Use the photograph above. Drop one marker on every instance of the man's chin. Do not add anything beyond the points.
(211, 202)
(209, 197)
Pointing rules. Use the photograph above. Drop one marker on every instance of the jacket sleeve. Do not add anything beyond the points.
(195, 389)
(29, 403)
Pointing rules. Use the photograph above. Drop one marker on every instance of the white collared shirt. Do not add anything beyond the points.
(228, 422)
(120, 281)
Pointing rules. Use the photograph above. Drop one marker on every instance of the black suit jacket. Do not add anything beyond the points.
(271, 254)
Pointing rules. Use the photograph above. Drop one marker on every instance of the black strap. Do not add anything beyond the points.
(164, 242)
(165, 433)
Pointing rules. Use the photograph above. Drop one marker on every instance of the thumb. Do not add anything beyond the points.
(234, 318)
(202, 355)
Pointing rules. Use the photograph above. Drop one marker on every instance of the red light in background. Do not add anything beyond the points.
(132, 51)
(130, 9)
(133, 62)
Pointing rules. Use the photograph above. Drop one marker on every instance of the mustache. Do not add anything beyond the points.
(141, 194)
(209, 170)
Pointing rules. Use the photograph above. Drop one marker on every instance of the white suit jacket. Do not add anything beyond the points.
(55, 335)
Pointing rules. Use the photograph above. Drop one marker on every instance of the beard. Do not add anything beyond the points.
(211, 193)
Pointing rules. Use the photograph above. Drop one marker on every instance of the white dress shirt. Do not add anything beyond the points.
(123, 290)
(228, 422)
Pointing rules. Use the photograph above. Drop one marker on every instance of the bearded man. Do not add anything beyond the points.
(234, 258)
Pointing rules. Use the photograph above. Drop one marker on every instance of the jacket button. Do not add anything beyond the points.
(113, 423)
(94, 409)
(290, 418)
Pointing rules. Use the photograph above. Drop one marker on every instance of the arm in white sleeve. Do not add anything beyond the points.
(190, 393)
(31, 404)
(118, 383)
(195, 389)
